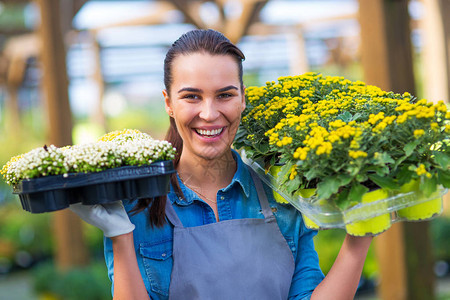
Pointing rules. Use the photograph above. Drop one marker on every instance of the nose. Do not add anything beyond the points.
(209, 110)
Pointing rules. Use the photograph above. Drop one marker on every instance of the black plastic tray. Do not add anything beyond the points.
(46, 194)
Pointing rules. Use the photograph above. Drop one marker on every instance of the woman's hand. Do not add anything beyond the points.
(111, 218)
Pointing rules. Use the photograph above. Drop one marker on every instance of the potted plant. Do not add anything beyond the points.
(123, 164)
(345, 139)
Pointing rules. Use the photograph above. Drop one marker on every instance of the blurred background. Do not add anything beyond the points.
(71, 70)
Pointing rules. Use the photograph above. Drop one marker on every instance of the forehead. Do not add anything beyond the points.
(203, 69)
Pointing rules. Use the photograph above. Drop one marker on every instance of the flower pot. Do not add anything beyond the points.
(51, 193)
(423, 210)
(307, 193)
(274, 170)
(48, 296)
(371, 226)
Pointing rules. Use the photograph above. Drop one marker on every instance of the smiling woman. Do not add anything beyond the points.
(219, 234)
(206, 100)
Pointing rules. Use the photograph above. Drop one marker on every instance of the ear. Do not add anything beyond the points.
(167, 103)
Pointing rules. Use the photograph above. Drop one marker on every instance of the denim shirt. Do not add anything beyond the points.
(238, 200)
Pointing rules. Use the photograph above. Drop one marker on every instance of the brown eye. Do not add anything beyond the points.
(190, 96)
(225, 95)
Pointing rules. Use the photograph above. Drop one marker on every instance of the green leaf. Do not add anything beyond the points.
(356, 116)
(343, 201)
(344, 179)
(442, 159)
(283, 175)
(444, 178)
(384, 158)
(329, 186)
(409, 148)
(241, 133)
(357, 191)
(312, 173)
(345, 116)
(384, 181)
(261, 147)
(429, 185)
(381, 170)
(353, 170)
(361, 177)
(404, 175)
(399, 161)
(293, 185)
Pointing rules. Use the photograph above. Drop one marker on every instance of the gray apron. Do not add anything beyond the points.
(232, 259)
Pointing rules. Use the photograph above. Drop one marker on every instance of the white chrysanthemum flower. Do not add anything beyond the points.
(41, 161)
(115, 149)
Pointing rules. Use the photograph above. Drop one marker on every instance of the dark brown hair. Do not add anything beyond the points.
(199, 40)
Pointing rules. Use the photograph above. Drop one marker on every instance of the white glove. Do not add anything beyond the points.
(111, 218)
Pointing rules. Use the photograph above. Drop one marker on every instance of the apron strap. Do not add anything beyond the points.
(266, 210)
(172, 215)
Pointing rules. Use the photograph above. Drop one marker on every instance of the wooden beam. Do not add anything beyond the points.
(76, 6)
(16, 1)
(190, 11)
(236, 28)
(70, 247)
(154, 17)
(14, 31)
(387, 62)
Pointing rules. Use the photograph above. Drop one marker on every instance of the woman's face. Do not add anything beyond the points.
(206, 102)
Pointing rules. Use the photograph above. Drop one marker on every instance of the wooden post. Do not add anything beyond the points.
(298, 61)
(387, 62)
(98, 116)
(436, 57)
(70, 248)
(389, 251)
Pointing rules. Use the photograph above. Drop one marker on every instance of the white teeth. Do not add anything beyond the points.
(209, 132)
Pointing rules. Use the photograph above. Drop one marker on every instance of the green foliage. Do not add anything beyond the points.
(88, 283)
(340, 135)
(328, 243)
(151, 119)
(440, 233)
(24, 231)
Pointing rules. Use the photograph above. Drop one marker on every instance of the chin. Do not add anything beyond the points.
(212, 153)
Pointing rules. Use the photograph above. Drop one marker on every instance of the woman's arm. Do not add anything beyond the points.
(113, 220)
(342, 280)
(128, 282)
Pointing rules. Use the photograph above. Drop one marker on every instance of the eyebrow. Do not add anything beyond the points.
(189, 89)
(230, 87)
(195, 90)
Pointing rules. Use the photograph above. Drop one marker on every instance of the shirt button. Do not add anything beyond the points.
(293, 249)
(222, 197)
(163, 255)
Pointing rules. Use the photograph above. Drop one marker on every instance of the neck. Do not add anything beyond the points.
(216, 173)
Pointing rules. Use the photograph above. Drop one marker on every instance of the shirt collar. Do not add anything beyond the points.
(241, 177)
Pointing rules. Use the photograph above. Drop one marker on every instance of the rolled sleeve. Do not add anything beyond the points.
(307, 273)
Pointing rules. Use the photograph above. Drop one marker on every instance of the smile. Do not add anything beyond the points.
(209, 133)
